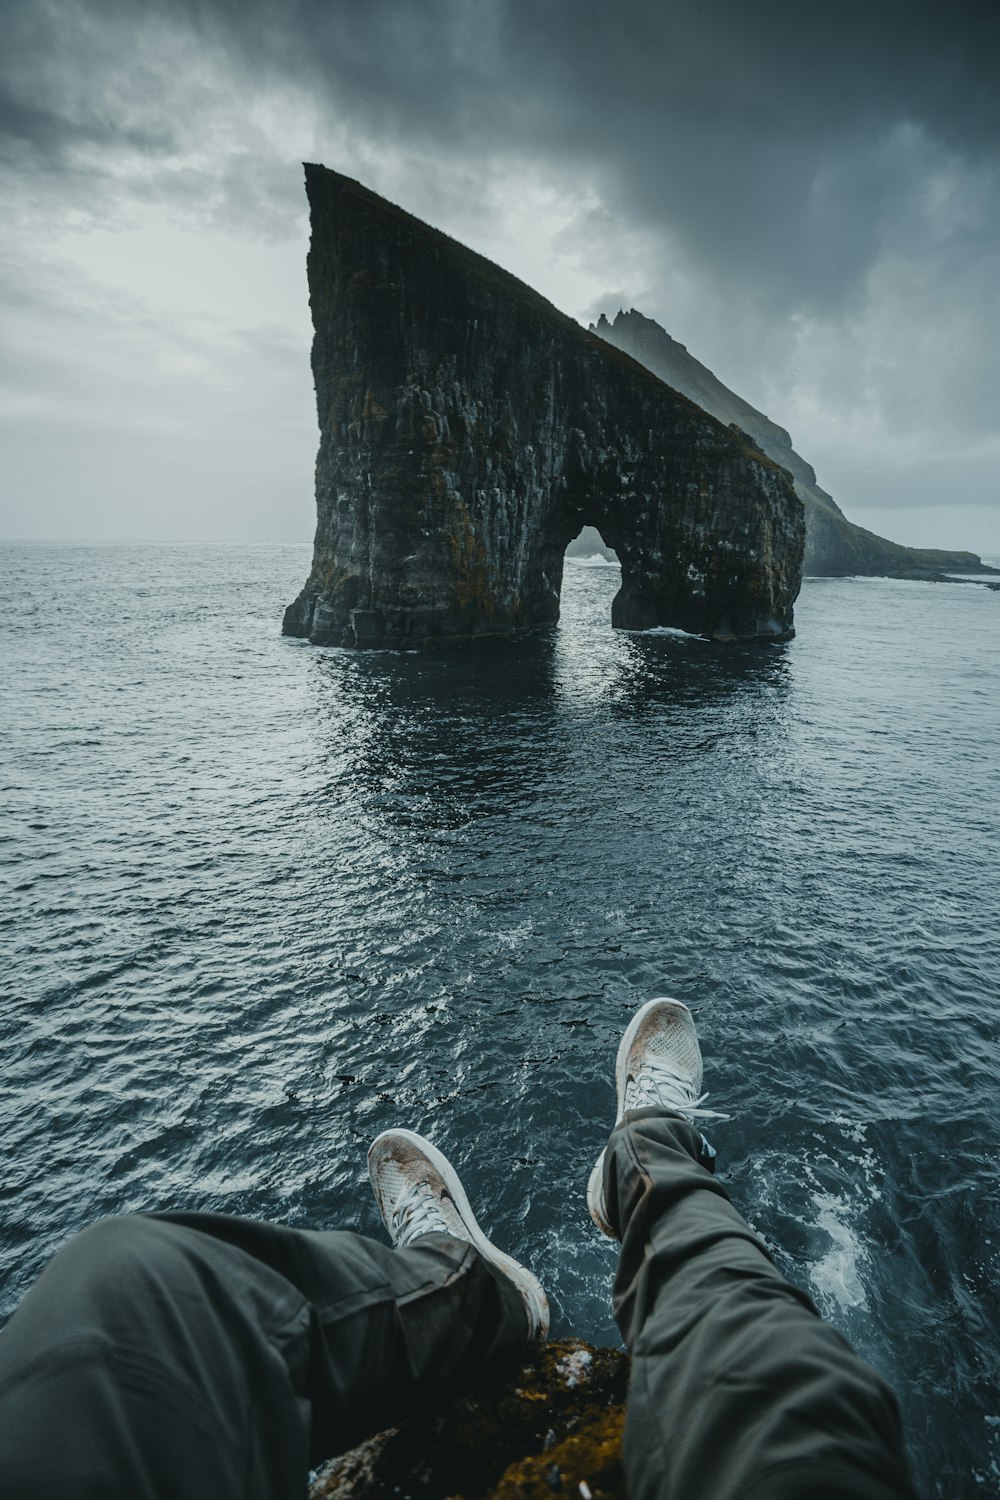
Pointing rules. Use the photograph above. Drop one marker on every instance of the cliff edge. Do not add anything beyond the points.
(553, 1427)
(468, 430)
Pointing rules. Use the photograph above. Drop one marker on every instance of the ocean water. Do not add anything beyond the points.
(261, 901)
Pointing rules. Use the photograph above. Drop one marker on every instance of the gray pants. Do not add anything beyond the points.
(188, 1355)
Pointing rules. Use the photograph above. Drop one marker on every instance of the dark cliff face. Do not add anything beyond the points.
(835, 547)
(468, 430)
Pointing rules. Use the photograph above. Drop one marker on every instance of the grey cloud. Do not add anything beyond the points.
(766, 137)
(816, 187)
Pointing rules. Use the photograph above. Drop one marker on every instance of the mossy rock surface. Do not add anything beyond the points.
(552, 1428)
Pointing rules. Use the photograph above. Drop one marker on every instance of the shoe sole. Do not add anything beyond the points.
(529, 1286)
(595, 1183)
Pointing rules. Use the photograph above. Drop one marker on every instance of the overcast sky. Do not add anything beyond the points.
(807, 196)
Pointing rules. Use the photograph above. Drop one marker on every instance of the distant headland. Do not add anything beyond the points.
(835, 547)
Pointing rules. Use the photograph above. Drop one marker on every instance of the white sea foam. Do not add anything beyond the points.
(837, 1273)
(836, 1222)
(671, 630)
(595, 560)
(514, 937)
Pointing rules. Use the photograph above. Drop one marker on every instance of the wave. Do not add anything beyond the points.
(673, 631)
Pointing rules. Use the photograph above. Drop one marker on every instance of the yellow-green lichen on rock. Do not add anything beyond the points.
(552, 1427)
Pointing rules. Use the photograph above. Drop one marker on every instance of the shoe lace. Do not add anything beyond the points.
(417, 1212)
(657, 1083)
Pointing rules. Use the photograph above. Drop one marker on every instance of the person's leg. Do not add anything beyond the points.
(738, 1389)
(196, 1354)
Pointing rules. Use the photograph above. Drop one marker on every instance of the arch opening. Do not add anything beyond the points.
(589, 547)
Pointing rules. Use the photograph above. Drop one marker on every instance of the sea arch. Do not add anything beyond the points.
(468, 430)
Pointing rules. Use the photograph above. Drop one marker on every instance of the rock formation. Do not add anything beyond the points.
(590, 544)
(835, 548)
(554, 1425)
(468, 430)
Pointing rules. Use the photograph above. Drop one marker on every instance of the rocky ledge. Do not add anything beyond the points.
(468, 430)
(553, 1428)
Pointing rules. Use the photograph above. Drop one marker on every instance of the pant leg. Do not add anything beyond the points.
(738, 1389)
(189, 1355)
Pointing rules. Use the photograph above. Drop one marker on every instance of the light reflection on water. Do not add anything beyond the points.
(262, 901)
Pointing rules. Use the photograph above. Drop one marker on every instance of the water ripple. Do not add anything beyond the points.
(261, 901)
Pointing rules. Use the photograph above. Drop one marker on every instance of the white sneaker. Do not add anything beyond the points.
(418, 1192)
(658, 1063)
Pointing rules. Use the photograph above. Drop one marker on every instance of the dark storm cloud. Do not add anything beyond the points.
(764, 68)
(787, 167)
(782, 143)
(779, 142)
(44, 133)
(761, 130)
